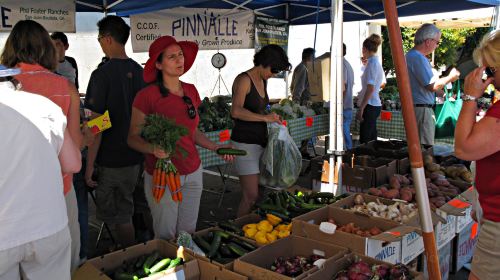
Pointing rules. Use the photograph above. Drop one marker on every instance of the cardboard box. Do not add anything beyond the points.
(257, 264)
(318, 73)
(203, 233)
(412, 245)
(97, 267)
(444, 262)
(367, 172)
(467, 198)
(463, 246)
(209, 271)
(395, 149)
(330, 270)
(385, 246)
(445, 232)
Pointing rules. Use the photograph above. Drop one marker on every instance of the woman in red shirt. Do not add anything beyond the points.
(479, 141)
(168, 96)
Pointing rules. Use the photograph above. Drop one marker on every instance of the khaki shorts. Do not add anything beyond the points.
(114, 193)
(426, 123)
(486, 259)
(249, 164)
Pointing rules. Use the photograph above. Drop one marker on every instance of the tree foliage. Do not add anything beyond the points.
(456, 45)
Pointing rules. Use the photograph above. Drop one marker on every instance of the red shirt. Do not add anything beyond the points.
(488, 178)
(36, 79)
(149, 101)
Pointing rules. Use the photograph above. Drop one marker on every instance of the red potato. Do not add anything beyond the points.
(391, 194)
(394, 182)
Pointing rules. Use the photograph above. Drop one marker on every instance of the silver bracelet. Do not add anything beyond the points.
(467, 97)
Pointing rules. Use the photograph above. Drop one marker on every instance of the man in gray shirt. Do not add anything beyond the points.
(423, 82)
(348, 104)
(300, 82)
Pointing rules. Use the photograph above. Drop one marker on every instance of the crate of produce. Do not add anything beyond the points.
(463, 246)
(289, 258)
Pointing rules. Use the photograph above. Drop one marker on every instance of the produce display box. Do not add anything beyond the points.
(203, 233)
(257, 264)
(365, 172)
(385, 246)
(97, 267)
(209, 271)
(395, 149)
(463, 246)
(329, 271)
(463, 221)
(444, 262)
(445, 232)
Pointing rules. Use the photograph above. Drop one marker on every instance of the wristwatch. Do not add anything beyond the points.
(467, 97)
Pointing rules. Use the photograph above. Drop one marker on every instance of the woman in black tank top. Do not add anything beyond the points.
(248, 110)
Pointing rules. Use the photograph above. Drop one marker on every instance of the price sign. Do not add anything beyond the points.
(309, 121)
(224, 136)
(386, 116)
(285, 123)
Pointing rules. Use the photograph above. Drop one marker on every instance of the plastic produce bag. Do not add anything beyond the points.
(281, 161)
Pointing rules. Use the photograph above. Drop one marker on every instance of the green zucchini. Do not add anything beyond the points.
(175, 262)
(160, 265)
(224, 250)
(247, 246)
(125, 276)
(229, 226)
(149, 261)
(223, 234)
(202, 243)
(231, 152)
(237, 249)
(327, 195)
(311, 206)
(214, 246)
(272, 207)
(140, 261)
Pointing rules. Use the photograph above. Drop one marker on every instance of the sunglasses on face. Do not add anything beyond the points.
(191, 109)
(490, 71)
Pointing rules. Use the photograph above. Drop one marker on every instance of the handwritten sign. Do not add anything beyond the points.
(100, 123)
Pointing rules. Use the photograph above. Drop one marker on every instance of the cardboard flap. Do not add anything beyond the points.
(452, 210)
(396, 233)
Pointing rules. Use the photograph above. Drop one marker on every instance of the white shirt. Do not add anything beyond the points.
(373, 74)
(32, 204)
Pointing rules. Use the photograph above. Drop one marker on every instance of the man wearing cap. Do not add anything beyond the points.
(424, 84)
(112, 87)
(35, 147)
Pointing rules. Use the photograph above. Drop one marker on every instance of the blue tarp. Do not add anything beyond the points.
(299, 11)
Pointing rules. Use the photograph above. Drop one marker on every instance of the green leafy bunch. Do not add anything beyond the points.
(164, 133)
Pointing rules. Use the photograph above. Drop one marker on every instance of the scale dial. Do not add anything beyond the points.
(219, 60)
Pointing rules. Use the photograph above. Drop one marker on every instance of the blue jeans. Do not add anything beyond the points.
(368, 127)
(83, 206)
(347, 129)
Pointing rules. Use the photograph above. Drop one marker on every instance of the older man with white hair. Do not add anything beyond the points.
(424, 83)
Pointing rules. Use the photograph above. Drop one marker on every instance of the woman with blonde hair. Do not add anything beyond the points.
(478, 140)
(370, 105)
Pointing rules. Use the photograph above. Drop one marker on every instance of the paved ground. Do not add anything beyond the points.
(209, 212)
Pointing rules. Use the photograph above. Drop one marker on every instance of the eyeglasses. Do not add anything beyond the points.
(490, 71)
(191, 109)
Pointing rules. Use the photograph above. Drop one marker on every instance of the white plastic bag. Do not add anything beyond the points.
(281, 161)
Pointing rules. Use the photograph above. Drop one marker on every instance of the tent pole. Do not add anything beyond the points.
(336, 144)
(417, 169)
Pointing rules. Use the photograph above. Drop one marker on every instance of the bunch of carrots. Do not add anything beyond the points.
(165, 175)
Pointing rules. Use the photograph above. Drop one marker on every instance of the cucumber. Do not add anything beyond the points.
(149, 261)
(175, 262)
(202, 243)
(311, 206)
(272, 207)
(327, 195)
(231, 152)
(160, 265)
(237, 249)
(125, 276)
(223, 234)
(224, 250)
(140, 261)
(229, 226)
(214, 247)
(244, 244)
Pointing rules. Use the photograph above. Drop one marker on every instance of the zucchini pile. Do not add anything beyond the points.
(144, 266)
(287, 206)
(222, 246)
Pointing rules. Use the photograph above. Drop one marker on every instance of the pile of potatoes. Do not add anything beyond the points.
(439, 189)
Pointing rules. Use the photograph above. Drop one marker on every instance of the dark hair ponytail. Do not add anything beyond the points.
(159, 79)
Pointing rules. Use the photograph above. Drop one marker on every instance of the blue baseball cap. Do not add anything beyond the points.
(7, 72)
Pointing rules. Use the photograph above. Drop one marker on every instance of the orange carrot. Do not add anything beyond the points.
(177, 178)
(155, 177)
(171, 180)
(163, 179)
(161, 192)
